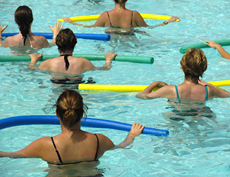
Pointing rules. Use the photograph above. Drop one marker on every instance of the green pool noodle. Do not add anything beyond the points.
(134, 59)
(225, 42)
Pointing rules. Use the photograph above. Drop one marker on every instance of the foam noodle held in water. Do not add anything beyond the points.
(95, 17)
(102, 37)
(87, 122)
(134, 59)
(202, 45)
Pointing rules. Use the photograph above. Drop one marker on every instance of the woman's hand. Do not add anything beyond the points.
(160, 84)
(110, 56)
(35, 57)
(2, 29)
(212, 44)
(67, 19)
(173, 19)
(136, 129)
(56, 29)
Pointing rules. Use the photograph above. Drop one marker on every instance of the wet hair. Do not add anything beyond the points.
(194, 64)
(23, 17)
(66, 40)
(70, 107)
(120, 1)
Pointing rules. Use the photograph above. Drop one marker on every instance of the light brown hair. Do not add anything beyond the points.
(70, 107)
(194, 64)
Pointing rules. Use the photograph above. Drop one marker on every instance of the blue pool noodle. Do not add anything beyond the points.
(87, 122)
(103, 37)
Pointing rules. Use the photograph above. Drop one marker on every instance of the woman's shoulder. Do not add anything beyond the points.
(105, 142)
(11, 41)
(41, 41)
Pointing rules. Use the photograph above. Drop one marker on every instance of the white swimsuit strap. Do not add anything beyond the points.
(30, 41)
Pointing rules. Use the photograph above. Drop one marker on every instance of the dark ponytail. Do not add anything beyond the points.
(24, 17)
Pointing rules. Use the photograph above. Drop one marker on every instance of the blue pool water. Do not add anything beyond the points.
(196, 147)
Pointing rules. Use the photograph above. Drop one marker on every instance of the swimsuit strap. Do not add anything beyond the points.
(206, 98)
(59, 157)
(109, 18)
(30, 41)
(66, 61)
(177, 94)
(131, 19)
(97, 148)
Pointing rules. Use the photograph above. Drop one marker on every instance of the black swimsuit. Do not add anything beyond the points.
(61, 162)
(66, 81)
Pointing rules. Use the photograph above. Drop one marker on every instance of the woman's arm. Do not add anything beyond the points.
(87, 65)
(33, 150)
(68, 20)
(140, 22)
(135, 131)
(108, 60)
(107, 144)
(172, 19)
(148, 94)
(220, 49)
(1, 31)
(35, 57)
(215, 91)
(99, 23)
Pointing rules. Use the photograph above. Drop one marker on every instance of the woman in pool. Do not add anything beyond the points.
(24, 18)
(121, 19)
(66, 67)
(193, 64)
(220, 49)
(72, 146)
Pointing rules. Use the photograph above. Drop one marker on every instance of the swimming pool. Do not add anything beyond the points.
(196, 148)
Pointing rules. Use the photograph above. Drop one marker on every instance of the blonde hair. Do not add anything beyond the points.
(194, 64)
(70, 107)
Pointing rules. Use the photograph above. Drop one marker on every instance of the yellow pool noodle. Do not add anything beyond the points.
(133, 88)
(95, 17)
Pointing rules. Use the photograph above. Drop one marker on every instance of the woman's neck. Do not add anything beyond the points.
(76, 127)
(66, 53)
(119, 6)
(188, 80)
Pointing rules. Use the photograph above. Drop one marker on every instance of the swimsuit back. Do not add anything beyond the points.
(59, 157)
(178, 97)
(116, 26)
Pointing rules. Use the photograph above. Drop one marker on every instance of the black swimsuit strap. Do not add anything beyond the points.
(59, 157)
(131, 19)
(109, 19)
(66, 61)
(97, 148)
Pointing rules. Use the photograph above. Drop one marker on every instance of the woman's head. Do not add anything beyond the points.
(23, 17)
(70, 108)
(120, 1)
(66, 40)
(194, 64)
